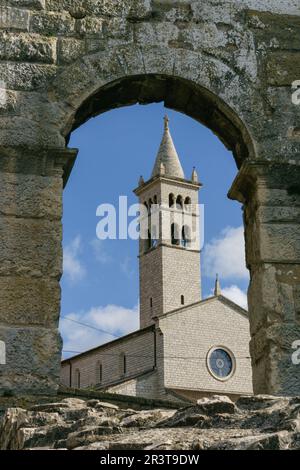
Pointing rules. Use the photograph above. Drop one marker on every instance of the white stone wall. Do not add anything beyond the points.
(145, 385)
(189, 335)
(180, 276)
(140, 357)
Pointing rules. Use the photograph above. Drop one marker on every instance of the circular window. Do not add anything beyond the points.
(220, 363)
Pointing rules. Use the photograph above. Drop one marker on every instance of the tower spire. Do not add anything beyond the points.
(217, 291)
(166, 121)
(168, 156)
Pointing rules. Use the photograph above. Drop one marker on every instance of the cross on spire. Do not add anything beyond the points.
(166, 119)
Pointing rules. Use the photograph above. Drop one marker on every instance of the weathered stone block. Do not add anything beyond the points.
(108, 7)
(52, 24)
(271, 349)
(30, 247)
(272, 295)
(67, 5)
(279, 242)
(32, 4)
(30, 196)
(27, 48)
(281, 214)
(90, 26)
(283, 68)
(69, 49)
(118, 28)
(14, 18)
(24, 76)
(29, 301)
(33, 360)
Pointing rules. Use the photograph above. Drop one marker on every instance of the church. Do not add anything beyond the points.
(187, 347)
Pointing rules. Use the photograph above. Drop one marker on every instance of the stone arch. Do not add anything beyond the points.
(216, 65)
(201, 104)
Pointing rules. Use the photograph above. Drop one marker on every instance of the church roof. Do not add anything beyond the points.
(167, 156)
(214, 298)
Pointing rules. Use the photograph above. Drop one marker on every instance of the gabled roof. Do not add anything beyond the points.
(220, 298)
(167, 157)
(109, 343)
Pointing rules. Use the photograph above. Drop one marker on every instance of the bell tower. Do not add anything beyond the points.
(169, 246)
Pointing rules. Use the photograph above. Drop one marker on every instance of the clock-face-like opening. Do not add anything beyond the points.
(221, 363)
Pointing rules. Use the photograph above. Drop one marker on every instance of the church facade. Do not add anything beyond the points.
(186, 347)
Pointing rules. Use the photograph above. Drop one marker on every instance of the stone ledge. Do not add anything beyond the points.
(214, 423)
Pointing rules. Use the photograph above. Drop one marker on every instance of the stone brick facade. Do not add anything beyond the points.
(169, 360)
(189, 335)
(138, 349)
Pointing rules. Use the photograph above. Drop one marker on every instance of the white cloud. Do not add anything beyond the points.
(72, 266)
(225, 255)
(237, 295)
(99, 252)
(110, 318)
(127, 267)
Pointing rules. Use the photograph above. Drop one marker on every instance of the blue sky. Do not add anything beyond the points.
(100, 281)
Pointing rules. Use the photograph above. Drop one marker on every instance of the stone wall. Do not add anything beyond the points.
(227, 64)
(138, 348)
(189, 335)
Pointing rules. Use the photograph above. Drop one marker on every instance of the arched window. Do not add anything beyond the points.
(99, 372)
(185, 236)
(182, 300)
(150, 203)
(77, 378)
(179, 202)
(2, 353)
(171, 200)
(155, 199)
(175, 235)
(187, 203)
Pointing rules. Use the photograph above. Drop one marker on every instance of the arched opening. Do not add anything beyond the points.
(171, 200)
(187, 203)
(178, 234)
(185, 236)
(175, 234)
(154, 88)
(179, 202)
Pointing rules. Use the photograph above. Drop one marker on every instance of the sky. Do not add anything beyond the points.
(100, 277)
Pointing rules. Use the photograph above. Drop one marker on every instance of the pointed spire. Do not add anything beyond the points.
(141, 181)
(217, 291)
(162, 169)
(194, 176)
(168, 156)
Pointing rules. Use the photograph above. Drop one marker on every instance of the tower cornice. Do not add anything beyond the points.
(165, 179)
